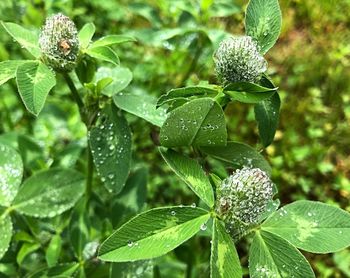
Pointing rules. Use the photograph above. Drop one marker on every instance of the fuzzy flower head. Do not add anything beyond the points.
(242, 198)
(238, 59)
(59, 43)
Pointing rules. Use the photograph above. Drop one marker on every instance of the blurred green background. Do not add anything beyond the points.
(310, 64)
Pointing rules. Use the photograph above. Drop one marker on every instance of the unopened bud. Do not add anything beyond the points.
(238, 59)
(242, 198)
(59, 43)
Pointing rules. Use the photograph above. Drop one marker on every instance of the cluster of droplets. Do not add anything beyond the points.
(59, 43)
(238, 59)
(242, 198)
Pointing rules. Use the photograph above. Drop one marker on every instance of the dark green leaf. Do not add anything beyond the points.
(267, 116)
(153, 233)
(110, 142)
(49, 192)
(191, 173)
(224, 261)
(272, 256)
(311, 226)
(263, 22)
(247, 92)
(34, 82)
(238, 155)
(200, 122)
(63, 270)
(26, 249)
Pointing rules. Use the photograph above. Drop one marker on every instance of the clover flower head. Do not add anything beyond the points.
(59, 43)
(238, 60)
(242, 198)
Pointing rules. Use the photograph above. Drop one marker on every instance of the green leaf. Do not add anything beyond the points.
(311, 226)
(49, 193)
(112, 39)
(272, 256)
(8, 70)
(186, 93)
(59, 271)
(143, 106)
(224, 261)
(267, 116)
(11, 172)
(26, 38)
(121, 79)
(104, 53)
(110, 142)
(248, 92)
(26, 249)
(200, 122)
(153, 233)
(132, 199)
(34, 82)
(53, 250)
(85, 35)
(5, 232)
(191, 173)
(238, 155)
(78, 229)
(263, 22)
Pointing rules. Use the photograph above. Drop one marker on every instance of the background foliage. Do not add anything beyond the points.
(310, 156)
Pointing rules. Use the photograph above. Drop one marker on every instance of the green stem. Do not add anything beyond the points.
(76, 96)
(90, 174)
(85, 118)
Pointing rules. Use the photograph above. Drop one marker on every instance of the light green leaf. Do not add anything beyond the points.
(85, 35)
(200, 122)
(187, 92)
(143, 106)
(263, 22)
(11, 172)
(191, 173)
(272, 256)
(26, 249)
(110, 142)
(247, 92)
(224, 261)
(5, 232)
(26, 38)
(311, 226)
(104, 53)
(267, 116)
(49, 193)
(238, 155)
(34, 82)
(153, 233)
(53, 250)
(121, 79)
(8, 70)
(112, 39)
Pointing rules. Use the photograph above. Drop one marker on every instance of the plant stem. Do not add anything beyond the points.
(76, 96)
(85, 119)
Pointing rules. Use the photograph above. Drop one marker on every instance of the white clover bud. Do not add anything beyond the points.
(59, 43)
(238, 59)
(242, 198)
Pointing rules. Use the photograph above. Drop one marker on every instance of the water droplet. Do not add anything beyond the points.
(203, 227)
(193, 205)
(173, 213)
